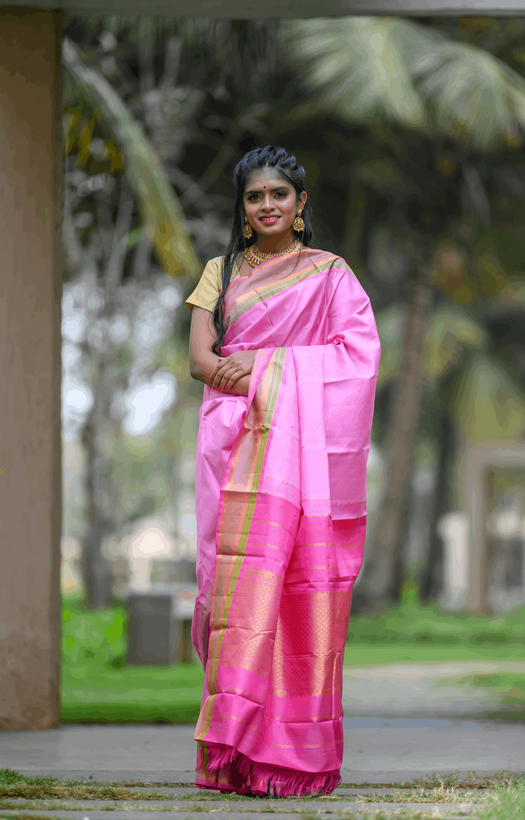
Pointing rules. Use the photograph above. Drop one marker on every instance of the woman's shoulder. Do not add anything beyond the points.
(329, 260)
(211, 276)
(215, 264)
(208, 287)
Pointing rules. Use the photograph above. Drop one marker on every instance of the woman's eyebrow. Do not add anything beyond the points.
(258, 190)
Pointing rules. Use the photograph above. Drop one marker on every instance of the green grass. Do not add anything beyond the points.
(133, 694)
(372, 654)
(412, 623)
(15, 785)
(97, 686)
(505, 803)
(504, 798)
(414, 633)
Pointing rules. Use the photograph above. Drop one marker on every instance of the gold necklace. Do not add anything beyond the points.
(254, 256)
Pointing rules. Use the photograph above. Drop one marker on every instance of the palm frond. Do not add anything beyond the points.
(450, 330)
(390, 326)
(356, 67)
(490, 406)
(368, 68)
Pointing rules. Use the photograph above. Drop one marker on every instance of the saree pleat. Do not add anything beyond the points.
(282, 475)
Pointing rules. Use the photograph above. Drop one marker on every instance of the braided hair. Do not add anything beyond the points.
(286, 166)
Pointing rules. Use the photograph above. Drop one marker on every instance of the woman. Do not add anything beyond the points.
(283, 337)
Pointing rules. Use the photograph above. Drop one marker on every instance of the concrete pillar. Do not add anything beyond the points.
(30, 452)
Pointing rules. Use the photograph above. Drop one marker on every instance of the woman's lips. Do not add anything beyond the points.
(268, 220)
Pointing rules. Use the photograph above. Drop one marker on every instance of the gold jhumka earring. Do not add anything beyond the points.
(298, 223)
(248, 231)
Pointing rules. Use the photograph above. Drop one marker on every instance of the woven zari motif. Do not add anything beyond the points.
(250, 632)
(310, 636)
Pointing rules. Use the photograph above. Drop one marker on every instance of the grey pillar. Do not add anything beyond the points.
(30, 452)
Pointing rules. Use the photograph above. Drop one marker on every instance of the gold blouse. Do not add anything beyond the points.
(207, 291)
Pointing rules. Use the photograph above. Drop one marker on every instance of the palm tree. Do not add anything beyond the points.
(420, 94)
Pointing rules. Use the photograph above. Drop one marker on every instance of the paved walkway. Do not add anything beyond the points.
(377, 750)
(423, 689)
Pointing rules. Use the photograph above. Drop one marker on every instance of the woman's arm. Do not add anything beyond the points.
(202, 336)
(230, 374)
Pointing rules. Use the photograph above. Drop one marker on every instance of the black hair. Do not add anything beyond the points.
(286, 166)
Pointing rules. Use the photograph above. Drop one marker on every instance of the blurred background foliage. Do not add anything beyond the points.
(411, 133)
(98, 685)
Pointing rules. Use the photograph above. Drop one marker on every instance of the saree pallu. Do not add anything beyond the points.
(281, 516)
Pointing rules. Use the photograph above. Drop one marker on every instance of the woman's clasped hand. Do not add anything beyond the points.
(231, 368)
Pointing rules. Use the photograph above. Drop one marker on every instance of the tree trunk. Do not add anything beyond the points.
(355, 225)
(382, 574)
(97, 571)
(431, 578)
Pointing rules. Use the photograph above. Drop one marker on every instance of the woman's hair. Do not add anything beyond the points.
(286, 166)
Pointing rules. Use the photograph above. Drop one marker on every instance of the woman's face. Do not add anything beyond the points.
(271, 203)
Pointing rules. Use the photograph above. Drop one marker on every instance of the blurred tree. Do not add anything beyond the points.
(420, 94)
(122, 152)
(123, 344)
(106, 252)
(161, 213)
(403, 185)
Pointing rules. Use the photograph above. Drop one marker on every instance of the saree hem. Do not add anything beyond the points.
(228, 770)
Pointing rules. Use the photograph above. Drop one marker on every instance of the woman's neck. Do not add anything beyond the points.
(275, 244)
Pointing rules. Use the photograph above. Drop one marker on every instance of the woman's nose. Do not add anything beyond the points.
(267, 204)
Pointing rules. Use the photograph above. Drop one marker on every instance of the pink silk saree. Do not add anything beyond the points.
(281, 516)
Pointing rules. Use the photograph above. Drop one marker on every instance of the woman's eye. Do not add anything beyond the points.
(281, 194)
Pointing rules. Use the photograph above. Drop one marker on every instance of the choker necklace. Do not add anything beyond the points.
(254, 256)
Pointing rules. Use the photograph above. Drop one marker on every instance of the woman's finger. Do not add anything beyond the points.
(222, 376)
(223, 382)
(231, 381)
(229, 370)
(219, 371)
(219, 364)
(240, 366)
(230, 377)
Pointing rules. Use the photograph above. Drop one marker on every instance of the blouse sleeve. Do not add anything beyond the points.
(207, 291)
